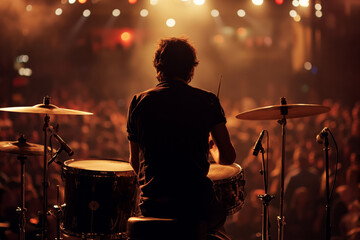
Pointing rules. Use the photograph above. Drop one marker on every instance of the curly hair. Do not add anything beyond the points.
(175, 58)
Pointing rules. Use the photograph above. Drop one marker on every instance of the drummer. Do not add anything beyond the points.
(168, 131)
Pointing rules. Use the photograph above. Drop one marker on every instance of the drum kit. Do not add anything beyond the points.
(100, 195)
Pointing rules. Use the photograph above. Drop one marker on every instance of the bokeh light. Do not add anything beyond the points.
(295, 3)
(116, 12)
(29, 7)
(241, 13)
(308, 66)
(72, 1)
(241, 32)
(318, 6)
(154, 2)
(279, 2)
(132, 1)
(293, 13)
(82, 1)
(258, 2)
(144, 12)
(318, 14)
(304, 3)
(86, 13)
(58, 11)
(199, 2)
(297, 18)
(170, 22)
(219, 39)
(214, 13)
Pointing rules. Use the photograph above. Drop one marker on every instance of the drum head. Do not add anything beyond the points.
(220, 172)
(96, 166)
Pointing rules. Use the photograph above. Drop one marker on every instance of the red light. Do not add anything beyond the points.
(279, 2)
(132, 1)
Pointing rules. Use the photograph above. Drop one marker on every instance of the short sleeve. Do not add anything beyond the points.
(131, 122)
(217, 111)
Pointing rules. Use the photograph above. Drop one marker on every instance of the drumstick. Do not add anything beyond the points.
(218, 92)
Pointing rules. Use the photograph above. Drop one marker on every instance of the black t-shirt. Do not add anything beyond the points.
(171, 124)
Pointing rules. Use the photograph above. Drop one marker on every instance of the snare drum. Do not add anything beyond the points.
(229, 185)
(100, 196)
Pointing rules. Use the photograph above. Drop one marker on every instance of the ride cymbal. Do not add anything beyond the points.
(275, 112)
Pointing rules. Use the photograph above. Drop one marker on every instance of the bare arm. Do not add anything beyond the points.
(134, 156)
(221, 149)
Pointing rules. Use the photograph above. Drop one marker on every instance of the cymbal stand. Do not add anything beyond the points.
(58, 212)
(22, 210)
(266, 199)
(45, 176)
(282, 122)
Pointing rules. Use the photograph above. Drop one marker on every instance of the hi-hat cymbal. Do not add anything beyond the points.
(21, 148)
(45, 109)
(275, 112)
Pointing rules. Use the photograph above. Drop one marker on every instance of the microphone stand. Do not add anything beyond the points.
(328, 207)
(266, 199)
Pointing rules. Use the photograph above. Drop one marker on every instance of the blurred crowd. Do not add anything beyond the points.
(103, 136)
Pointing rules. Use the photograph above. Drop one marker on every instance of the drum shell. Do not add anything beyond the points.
(230, 189)
(98, 203)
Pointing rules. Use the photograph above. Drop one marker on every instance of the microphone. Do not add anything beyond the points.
(64, 145)
(320, 137)
(257, 146)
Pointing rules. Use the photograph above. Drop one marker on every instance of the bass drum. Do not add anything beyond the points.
(229, 185)
(100, 196)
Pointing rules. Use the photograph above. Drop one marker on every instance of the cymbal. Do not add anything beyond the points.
(45, 109)
(21, 148)
(274, 112)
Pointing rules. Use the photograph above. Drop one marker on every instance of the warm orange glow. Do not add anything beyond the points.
(132, 1)
(219, 39)
(279, 2)
(125, 36)
(82, 1)
(241, 32)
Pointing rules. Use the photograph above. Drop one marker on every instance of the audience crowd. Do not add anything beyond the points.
(103, 136)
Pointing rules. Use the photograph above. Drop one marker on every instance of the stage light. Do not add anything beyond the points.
(279, 2)
(126, 37)
(144, 12)
(258, 2)
(22, 58)
(214, 13)
(154, 2)
(58, 11)
(132, 1)
(116, 12)
(82, 1)
(318, 6)
(72, 1)
(25, 72)
(297, 18)
(293, 13)
(28, 7)
(241, 13)
(304, 3)
(170, 22)
(219, 39)
(295, 3)
(241, 32)
(308, 66)
(86, 13)
(318, 14)
(268, 41)
(199, 2)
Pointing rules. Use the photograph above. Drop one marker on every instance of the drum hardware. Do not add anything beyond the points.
(322, 138)
(47, 109)
(282, 112)
(58, 213)
(265, 198)
(21, 148)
